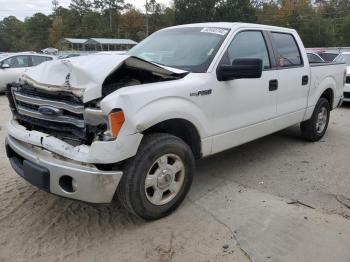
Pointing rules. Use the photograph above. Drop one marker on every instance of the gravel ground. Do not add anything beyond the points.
(274, 199)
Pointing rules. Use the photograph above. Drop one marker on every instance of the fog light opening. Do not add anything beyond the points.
(68, 184)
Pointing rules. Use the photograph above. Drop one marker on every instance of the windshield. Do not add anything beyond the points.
(343, 58)
(189, 48)
(3, 56)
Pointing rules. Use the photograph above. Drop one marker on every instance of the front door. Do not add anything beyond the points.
(244, 102)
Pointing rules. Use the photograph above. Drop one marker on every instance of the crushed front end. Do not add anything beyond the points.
(58, 143)
(69, 134)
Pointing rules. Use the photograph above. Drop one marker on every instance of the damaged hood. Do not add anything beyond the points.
(87, 73)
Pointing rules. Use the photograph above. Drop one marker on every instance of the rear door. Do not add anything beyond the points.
(293, 75)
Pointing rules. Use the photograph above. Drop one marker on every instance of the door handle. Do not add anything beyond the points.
(305, 80)
(273, 85)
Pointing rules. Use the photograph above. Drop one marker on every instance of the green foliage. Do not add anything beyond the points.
(82, 7)
(11, 33)
(194, 11)
(37, 31)
(320, 23)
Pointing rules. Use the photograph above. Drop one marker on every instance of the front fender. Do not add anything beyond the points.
(142, 112)
(167, 108)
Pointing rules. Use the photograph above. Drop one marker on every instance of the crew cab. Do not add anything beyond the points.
(92, 127)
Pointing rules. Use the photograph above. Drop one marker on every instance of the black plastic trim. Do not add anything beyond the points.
(35, 174)
(273, 85)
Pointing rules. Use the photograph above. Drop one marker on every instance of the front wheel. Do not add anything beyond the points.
(315, 128)
(158, 178)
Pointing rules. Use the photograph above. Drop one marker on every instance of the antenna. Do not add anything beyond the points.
(55, 4)
(147, 25)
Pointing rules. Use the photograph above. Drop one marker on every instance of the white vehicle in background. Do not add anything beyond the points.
(329, 56)
(345, 58)
(13, 65)
(314, 58)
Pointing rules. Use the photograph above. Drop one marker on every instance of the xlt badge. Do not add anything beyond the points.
(202, 93)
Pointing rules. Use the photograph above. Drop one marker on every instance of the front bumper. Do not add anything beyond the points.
(45, 170)
(99, 152)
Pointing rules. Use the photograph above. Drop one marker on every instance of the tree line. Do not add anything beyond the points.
(321, 23)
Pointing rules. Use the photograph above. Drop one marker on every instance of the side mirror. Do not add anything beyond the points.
(5, 66)
(240, 68)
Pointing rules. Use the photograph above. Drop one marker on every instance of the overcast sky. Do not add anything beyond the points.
(24, 8)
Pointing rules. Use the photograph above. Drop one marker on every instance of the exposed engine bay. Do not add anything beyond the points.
(130, 74)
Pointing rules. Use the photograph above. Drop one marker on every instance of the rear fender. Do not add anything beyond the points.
(316, 92)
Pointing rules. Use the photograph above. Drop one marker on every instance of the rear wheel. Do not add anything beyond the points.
(315, 128)
(158, 178)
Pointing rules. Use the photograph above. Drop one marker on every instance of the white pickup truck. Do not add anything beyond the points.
(93, 127)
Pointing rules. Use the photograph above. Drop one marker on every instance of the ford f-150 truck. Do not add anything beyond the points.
(92, 127)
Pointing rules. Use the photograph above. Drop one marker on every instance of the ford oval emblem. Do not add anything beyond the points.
(49, 111)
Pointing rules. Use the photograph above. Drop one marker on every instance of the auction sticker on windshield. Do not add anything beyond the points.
(213, 30)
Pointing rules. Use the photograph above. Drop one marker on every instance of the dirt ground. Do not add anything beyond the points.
(275, 199)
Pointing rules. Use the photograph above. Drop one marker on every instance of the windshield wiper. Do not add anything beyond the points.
(154, 62)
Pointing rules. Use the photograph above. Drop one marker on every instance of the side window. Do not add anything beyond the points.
(249, 44)
(287, 48)
(17, 61)
(37, 60)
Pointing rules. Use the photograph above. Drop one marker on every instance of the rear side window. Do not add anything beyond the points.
(249, 44)
(287, 48)
(36, 60)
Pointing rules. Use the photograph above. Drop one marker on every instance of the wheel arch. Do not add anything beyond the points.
(329, 95)
(181, 128)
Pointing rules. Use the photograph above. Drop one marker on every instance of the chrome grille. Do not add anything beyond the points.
(69, 125)
(29, 105)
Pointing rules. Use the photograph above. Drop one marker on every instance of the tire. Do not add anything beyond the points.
(150, 163)
(313, 130)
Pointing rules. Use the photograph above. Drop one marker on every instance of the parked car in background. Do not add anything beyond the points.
(328, 56)
(345, 58)
(314, 58)
(13, 65)
(112, 52)
(68, 56)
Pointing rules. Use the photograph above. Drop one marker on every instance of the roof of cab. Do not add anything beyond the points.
(236, 25)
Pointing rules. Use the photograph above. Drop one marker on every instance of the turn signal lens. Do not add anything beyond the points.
(116, 121)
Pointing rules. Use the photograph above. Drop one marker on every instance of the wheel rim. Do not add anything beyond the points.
(321, 120)
(164, 180)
